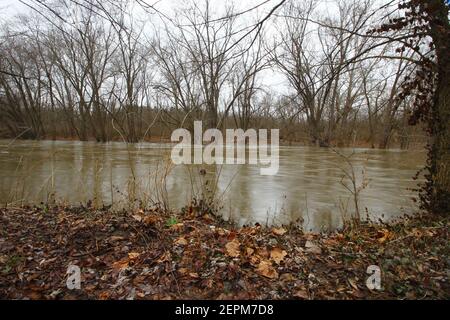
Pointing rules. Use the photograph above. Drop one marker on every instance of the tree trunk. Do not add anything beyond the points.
(211, 121)
(385, 137)
(440, 149)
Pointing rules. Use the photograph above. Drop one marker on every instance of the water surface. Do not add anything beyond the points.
(308, 188)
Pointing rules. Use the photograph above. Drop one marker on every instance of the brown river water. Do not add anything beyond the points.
(309, 187)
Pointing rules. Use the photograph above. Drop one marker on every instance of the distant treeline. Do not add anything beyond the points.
(79, 75)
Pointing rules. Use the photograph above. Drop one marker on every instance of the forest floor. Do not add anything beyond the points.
(149, 255)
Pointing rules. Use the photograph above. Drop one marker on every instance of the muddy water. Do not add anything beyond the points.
(311, 187)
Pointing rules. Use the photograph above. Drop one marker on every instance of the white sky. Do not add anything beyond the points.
(271, 79)
(10, 8)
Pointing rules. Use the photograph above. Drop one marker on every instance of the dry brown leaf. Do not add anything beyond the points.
(310, 235)
(209, 283)
(254, 260)
(34, 295)
(263, 252)
(207, 217)
(222, 232)
(133, 255)
(278, 231)
(249, 230)
(182, 270)
(277, 255)
(311, 247)
(165, 257)
(181, 241)
(330, 242)
(194, 275)
(384, 235)
(121, 264)
(249, 251)
(150, 220)
(116, 238)
(232, 248)
(301, 294)
(416, 233)
(353, 284)
(137, 217)
(177, 227)
(104, 295)
(265, 269)
(231, 235)
(287, 277)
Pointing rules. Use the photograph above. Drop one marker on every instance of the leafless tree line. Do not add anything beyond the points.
(91, 72)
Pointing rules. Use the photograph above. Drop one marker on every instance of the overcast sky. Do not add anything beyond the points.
(10, 8)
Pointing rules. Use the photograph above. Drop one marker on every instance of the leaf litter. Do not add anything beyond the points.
(140, 256)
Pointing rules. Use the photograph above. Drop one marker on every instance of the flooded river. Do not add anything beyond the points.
(312, 185)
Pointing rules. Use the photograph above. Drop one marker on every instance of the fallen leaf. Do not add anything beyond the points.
(116, 238)
(181, 241)
(121, 264)
(249, 230)
(311, 247)
(104, 295)
(358, 294)
(137, 217)
(231, 235)
(182, 270)
(265, 269)
(232, 248)
(35, 295)
(278, 231)
(222, 232)
(384, 235)
(330, 242)
(165, 257)
(353, 284)
(263, 252)
(133, 255)
(310, 235)
(287, 277)
(254, 260)
(177, 227)
(207, 217)
(277, 255)
(249, 251)
(209, 283)
(150, 220)
(301, 294)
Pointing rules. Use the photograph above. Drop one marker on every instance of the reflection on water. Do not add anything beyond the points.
(308, 187)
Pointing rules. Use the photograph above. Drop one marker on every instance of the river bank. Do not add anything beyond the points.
(420, 144)
(154, 255)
